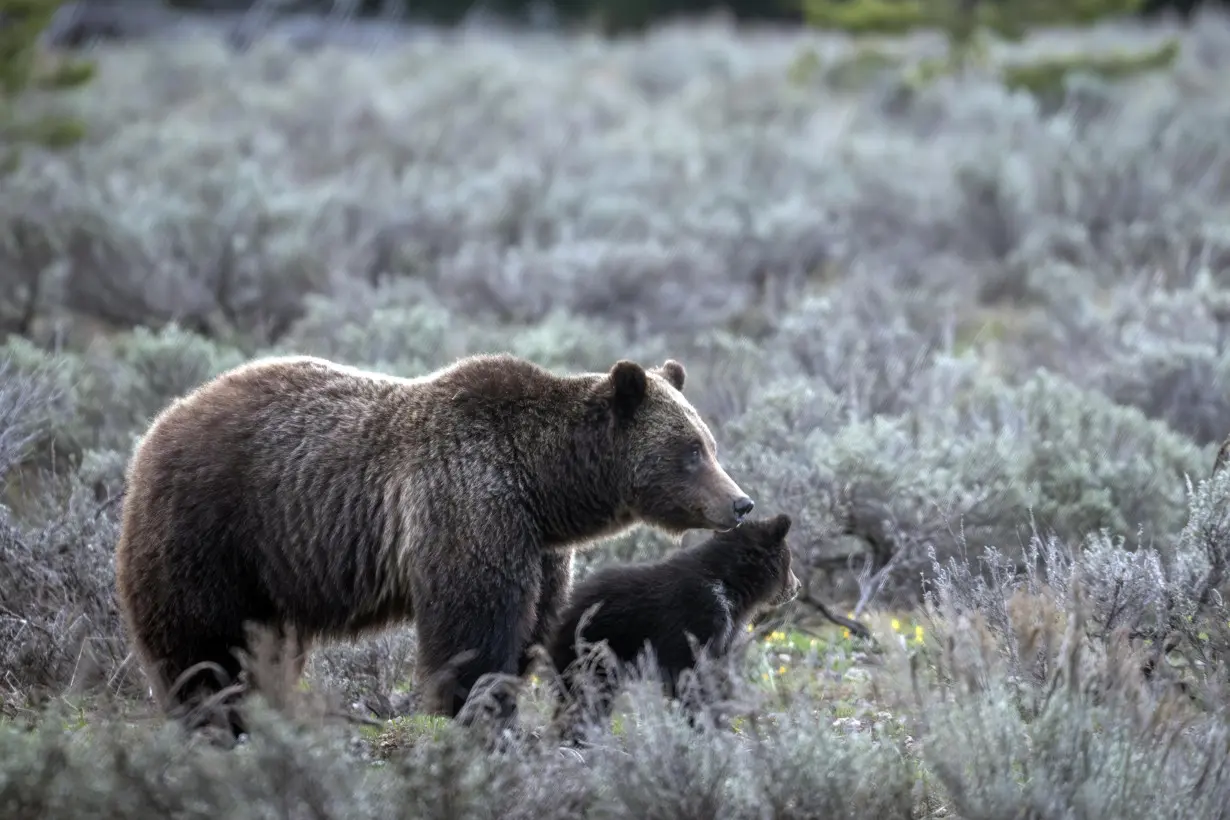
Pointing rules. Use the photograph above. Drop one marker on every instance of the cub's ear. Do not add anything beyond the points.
(674, 373)
(629, 382)
(779, 525)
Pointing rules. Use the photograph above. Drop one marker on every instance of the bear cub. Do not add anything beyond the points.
(709, 592)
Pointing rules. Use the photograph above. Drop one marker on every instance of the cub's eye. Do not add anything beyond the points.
(694, 454)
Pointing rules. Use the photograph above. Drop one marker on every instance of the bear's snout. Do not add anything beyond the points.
(727, 505)
(731, 514)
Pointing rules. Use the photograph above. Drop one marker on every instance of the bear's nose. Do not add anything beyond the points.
(743, 506)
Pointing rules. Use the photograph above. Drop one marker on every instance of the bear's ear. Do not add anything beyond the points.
(674, 373)
(779, 525)
(629, 382)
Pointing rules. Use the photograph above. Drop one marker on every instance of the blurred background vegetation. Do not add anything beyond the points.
(965, 24)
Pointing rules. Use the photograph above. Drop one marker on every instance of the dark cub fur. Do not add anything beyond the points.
(707, 592)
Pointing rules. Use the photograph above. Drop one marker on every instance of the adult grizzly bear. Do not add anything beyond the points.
(297, 493)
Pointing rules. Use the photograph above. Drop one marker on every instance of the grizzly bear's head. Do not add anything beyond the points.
(668, 463)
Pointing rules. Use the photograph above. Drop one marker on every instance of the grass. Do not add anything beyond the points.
(782, 664)
(398, 734)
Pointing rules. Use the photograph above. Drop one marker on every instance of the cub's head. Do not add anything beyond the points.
(770, 561)
(753, 563)
(666, 458)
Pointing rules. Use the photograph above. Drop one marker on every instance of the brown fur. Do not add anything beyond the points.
(295, 492)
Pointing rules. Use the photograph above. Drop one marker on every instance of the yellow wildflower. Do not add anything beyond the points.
(918, 633)
(845, 633)
(781, 670)
(896, 625)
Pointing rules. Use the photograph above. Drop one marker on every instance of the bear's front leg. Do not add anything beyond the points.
(556, 582)
(475, 621)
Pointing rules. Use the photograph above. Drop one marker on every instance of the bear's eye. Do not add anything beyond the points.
(694, 454)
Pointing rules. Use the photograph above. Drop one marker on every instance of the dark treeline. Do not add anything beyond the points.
(84, 21)
(619, 14)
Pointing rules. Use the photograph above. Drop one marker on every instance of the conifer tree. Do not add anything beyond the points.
(26, 70)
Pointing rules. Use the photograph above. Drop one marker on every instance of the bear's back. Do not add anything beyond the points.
(273, 478)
